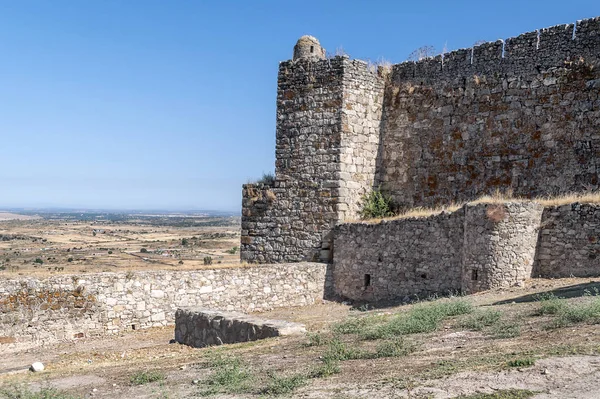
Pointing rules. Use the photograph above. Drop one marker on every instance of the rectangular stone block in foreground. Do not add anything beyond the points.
(203, 327)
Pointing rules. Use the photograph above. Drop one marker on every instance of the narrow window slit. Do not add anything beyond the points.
(367, 280)
(474, 275)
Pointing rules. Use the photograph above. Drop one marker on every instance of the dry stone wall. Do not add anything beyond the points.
(35, 311)
(569, 242)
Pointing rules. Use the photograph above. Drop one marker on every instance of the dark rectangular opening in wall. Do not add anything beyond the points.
(312, 49)
(367, 280)
(474, 275)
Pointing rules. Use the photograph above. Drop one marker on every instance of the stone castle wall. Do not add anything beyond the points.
(569, 242)
(523, 115)
(520, 115)
(36, 311)
(478, 247)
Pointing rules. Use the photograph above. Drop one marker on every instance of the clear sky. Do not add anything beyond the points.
(170, 104)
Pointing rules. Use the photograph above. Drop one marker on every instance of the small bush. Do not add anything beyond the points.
(506, 329)
(315, 339)
(38, 261)
(25, 393)
(549, 305)
(521, 362)
(577, 313)
(376, 205)
(110, 252)
(146, 377)
(339, 351)
(328, 368)
(481, 319)
(208, 260)
(267, 178)
(501, 394)
(279, 385)
(395, 348)
(143, 250)
(233, 250)
(229, 376)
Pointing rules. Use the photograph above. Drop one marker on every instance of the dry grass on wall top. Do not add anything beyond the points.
(495, 198)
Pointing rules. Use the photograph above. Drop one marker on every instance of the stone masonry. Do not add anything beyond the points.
(38, 311)
(521, 114)
(203, 327)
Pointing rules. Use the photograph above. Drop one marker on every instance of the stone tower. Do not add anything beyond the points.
(308, 48)
(327, 137)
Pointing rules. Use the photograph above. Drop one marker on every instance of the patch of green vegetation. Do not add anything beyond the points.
(315, 339)
(481, 319)
(376, 204)
(521, 362)
(422, 318)
(550, 304)
(282, 385)
(506, 329)
(229, 376)
(328, 368)
(570, 314)
(146, 377)
(357, 325)
(16, 392)
(502, 394)
(340, 351)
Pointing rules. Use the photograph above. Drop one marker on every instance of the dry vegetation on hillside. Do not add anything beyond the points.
(540, 341)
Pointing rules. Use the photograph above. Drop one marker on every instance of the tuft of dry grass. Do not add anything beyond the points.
(498, 197)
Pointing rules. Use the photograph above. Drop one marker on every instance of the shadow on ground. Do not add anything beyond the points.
(571, 291)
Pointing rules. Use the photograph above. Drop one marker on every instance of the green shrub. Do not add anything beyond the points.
(569, 314)
(506, 329)
(208, 260)
(282, 385)
(521, 362)
(481, 319)
(143, 250)
(549, 305)
(501, 394)
(375, 204)
(25, 393)
(315, 339)
(145, 377)
(38, 261)
(267, 178)
(229, 376)
(328, 368)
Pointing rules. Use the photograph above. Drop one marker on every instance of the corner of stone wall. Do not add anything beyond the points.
(257, 223)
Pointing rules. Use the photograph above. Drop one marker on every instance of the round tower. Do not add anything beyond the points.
(308, 48)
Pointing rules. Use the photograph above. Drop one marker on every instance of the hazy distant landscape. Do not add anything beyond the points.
(79, 241)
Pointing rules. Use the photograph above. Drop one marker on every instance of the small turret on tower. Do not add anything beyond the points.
(308, 48)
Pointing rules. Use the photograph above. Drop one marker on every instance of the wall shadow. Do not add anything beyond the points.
(571, 291)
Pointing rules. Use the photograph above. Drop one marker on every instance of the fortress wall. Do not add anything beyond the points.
(569, 242)
(404, 257)
(499, 244)
(530, 121)
(38, 311)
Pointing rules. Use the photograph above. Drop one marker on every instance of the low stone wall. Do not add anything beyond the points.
(569, 242)
(37, 311)
(202, 327)
(478, 247)
(397, 258)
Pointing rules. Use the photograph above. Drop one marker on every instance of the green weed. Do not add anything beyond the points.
(481, 319)
(282, 385)
(521, 362)
(502, 394)
(229, 376)
(146, 377)
(16, 392)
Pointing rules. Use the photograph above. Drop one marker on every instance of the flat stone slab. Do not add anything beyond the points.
(204, 327)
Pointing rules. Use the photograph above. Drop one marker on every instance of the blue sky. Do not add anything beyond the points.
(146, 104)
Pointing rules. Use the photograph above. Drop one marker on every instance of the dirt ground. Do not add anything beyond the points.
(41, 247)
(448, 362)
